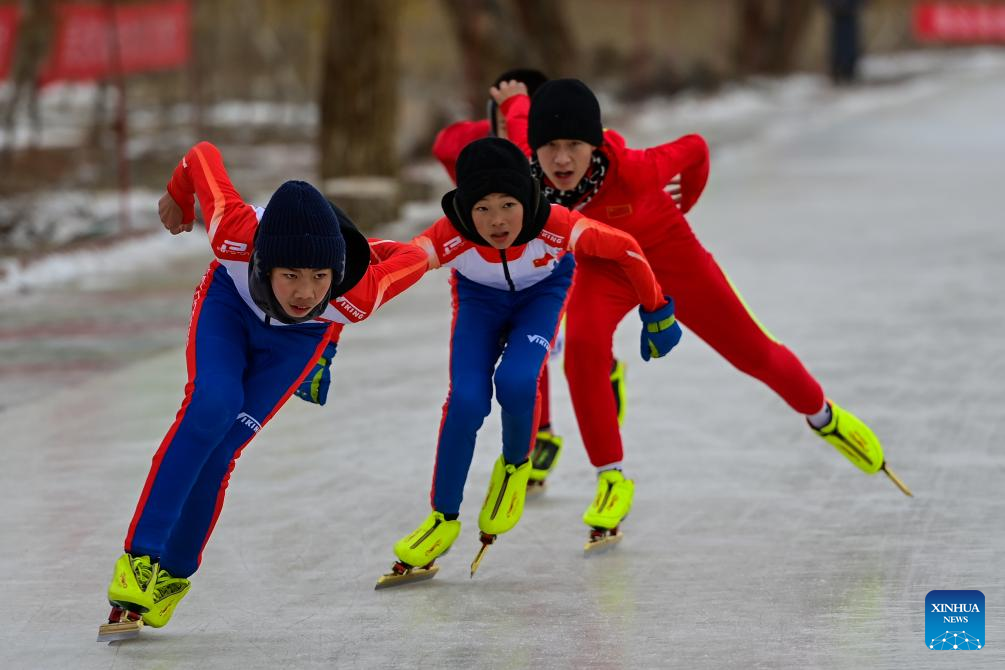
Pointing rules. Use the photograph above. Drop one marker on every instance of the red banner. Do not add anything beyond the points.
(95, 41)
(961, 23)
(8, 24)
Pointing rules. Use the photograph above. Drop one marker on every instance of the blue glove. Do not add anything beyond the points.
(314, 387)
(660, 331)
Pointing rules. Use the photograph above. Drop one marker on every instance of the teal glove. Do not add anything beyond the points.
(314, 387)
(660, 331)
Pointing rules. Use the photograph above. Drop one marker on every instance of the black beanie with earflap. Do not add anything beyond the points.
(494, 165)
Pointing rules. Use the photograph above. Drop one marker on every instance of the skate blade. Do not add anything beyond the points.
(486, 541)
(602, 544)
(123, 630)
(896, 480)
(412, 575)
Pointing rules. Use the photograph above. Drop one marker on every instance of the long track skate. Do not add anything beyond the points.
(602, 539)
(402, 573)
(122, 624)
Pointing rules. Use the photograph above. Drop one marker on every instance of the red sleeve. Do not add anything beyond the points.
(593, 238)
(686, 156)
(227, 217)
(398, 266)
(516, 110)
(449, 142)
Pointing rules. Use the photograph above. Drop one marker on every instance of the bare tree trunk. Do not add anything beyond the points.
(490, 44)
(770, 33)
(359, 108)
(35, 34)
(791, 23)
(546, 27)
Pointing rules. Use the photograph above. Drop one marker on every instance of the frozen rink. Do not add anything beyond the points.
(871, 243)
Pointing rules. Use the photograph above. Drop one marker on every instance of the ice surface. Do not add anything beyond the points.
(872, 245)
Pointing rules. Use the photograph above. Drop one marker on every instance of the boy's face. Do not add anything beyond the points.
(498, 218)
(565, 162)
(299, 290)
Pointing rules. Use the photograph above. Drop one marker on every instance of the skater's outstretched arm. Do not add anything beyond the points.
(593, 238)
(394, 267)
(230, 222)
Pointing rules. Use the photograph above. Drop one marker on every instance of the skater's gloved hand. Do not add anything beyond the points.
(314, 387)
(660, 331)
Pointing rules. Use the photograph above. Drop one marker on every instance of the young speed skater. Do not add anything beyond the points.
(284, 280)
(589, 169)
(446, 148)
(509, 251)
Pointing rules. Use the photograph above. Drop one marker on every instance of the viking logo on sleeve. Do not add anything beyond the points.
(954, 620)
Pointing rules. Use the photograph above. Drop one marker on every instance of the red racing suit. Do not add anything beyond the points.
(631, 198)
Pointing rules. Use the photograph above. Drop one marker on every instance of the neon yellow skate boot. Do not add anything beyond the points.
(144, 587)
(612, 502)
(618, 388)
(131, 587)
(854, 439)
(504, 500)
(850, 436)
(427, 542)
(544, 458)
(168, 592)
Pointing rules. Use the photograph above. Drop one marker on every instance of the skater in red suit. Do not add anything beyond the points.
(587, 168)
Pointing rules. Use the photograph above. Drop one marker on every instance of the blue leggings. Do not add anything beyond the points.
(240, 372)
(489, 323)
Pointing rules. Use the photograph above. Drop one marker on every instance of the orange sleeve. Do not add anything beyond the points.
(201, 175)
(399, 266)
(593, 238)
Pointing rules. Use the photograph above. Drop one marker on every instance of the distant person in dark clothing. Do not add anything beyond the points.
(845, 47)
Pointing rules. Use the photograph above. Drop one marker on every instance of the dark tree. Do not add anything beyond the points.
(359, 108)
(490, 43)
(770, 34)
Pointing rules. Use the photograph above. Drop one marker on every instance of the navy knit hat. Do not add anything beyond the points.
(299, 229)
(494, 165)
(564, 109)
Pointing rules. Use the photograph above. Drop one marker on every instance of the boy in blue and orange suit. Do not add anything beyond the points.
(446, 148)
(511, 255)
(285, 280)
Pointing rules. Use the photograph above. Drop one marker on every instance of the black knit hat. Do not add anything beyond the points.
(564, 109)
(299, 229)
(493, 165)
(530, 78)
